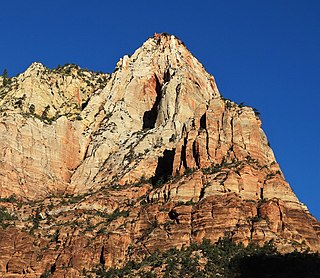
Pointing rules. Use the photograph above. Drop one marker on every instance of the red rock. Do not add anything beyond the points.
(155, 158)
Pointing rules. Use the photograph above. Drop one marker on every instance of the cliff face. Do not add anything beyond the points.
(108, 168)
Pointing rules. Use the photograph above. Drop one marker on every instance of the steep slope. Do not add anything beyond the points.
(151, 157)
(40, 131)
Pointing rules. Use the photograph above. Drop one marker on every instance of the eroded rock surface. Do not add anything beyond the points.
(97, 170)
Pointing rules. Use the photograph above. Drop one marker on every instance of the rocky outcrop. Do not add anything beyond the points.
(42, 140)
(97, 170)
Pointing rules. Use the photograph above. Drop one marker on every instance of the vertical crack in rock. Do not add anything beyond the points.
(102, 260)
(166, 76)
(176, 108)
(251, 230)
(220, 126)
(195, 153)
(202, 193)
(183, 161)
(203, 125)
(150, 117)
(261, 193)
(231, 126)
(53, 268)
(203, 121)
(85, 103)
(164, 167)
(204, 184)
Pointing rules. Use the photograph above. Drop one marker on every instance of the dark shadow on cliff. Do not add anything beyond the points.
(164, 168)
(279, 266)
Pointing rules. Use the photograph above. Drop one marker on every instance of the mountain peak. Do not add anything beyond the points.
(149, 158)
(35, 67)
(165, 38)
(165, 59)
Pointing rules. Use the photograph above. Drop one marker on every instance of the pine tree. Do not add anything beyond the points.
(5, 77)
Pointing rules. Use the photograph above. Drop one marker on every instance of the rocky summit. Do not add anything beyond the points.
(98, 169)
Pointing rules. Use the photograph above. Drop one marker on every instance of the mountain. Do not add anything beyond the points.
(100, 169)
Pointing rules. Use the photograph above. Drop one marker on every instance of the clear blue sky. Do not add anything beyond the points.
(263, 53)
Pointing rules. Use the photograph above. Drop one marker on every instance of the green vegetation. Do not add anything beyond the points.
(159, 182)
(223, 259)
(10, 199)
(5, 217)
(256, 112)
(241, 104)
(152, 225)
(36, 219)
(71, 199)
(230, 104)
(5, 80)
(6, 84)
(116, 214)
(108, 217)
(215, 168)
(46, 274)
(237, 165)
(189, 171)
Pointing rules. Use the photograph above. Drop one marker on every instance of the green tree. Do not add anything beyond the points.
(5, 80)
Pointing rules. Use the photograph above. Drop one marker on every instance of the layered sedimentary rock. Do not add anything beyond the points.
(105, 169)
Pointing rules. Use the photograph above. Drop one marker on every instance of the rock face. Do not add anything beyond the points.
(99, 169)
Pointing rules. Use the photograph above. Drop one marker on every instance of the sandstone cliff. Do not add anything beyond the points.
(98, 169)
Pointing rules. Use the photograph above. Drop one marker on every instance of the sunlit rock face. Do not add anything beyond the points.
(107, 168)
